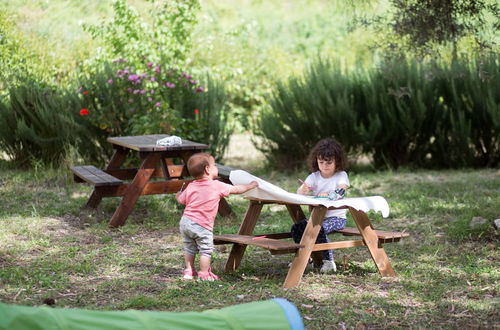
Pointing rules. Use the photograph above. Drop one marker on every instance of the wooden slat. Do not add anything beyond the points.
(337, 245)
(246, 228)
(384, 235)
(266, 243)
(148, 143)
(372, 243)
(97, 177)
(134, 190)
(301, 259)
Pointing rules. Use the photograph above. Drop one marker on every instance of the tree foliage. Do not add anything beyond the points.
(165, 37)
(427, 22)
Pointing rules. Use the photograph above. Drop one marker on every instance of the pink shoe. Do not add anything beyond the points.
(208, 276)
(189, 274)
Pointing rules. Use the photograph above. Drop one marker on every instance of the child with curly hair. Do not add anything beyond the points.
(328, 179)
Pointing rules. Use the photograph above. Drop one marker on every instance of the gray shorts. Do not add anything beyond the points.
(196, 238)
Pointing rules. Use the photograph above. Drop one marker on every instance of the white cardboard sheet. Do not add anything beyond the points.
(270, 192)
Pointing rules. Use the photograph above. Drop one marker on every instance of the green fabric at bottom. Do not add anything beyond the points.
(267, 314)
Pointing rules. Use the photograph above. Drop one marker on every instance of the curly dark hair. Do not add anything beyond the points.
(327, 149)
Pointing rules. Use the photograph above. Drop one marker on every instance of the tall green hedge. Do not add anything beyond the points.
(403, 113)
(37, 124)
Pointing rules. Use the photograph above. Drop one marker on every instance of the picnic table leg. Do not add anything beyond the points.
(115, 162)
(295, 212)
(135, 189)
(297, 215)
(246, 228)
(224, 208)
(308, 240)
(371, 240)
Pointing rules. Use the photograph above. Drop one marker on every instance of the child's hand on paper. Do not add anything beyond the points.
(305, 189)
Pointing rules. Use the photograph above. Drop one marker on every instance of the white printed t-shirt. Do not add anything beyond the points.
(322, 185)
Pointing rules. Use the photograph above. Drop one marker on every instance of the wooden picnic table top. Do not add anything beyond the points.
(147, 143)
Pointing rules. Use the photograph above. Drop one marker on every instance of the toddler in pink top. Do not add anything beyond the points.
(201, 198)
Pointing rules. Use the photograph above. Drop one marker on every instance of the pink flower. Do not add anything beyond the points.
(196, 111)
(158, 104)
(110, 81)
(170, 85)
(135, 79)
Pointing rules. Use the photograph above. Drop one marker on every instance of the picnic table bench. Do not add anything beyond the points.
(157, 174)
(273, 242)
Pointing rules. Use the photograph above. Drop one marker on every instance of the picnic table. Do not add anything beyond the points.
(157, 174)
(372, 239)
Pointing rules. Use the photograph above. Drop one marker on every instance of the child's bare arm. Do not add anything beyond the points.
(304, 189)
(241, 188)
(181, 198)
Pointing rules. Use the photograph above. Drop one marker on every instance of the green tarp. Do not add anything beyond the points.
(273, 314)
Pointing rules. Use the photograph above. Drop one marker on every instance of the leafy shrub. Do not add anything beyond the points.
(15, 57)
(402, 113)
(468, 133)
(164, 36)
(36, 125)
(205, 117)
(307, 109)
(121, 99)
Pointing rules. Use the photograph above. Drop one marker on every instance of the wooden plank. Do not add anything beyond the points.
(118, 157)
(224, 209)
(134, 190)
(97, 177)
(148, 143)
(246, 228)
(151, 188)
(272, 235)
(372, 242)
(116, 161)
(297, 215)
(384, 235)
(301, 259)
(338, 245)
(295, 212)
(266, 243)
(129, 173)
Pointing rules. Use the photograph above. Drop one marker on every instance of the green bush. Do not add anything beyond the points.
(307, 109)
(164, 36)
(468, 133)
(37, 125)
(402, 113)
(205, 117)
(120, 99)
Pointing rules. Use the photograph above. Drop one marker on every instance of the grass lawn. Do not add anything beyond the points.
(448, 275)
